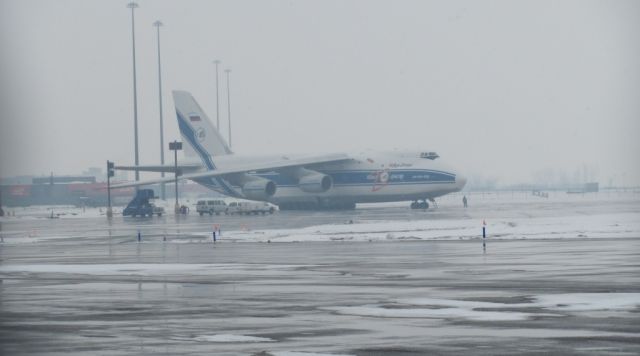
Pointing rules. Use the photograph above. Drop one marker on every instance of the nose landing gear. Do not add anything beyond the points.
(420, 204)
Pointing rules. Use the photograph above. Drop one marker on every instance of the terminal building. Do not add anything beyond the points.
(77, 190)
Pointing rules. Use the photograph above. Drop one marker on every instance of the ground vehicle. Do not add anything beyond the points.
(250, 207)
(142, 205)
(211, 207)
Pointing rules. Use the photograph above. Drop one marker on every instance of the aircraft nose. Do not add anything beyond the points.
(460, 181)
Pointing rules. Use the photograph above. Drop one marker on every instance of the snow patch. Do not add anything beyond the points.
(440, 313)
(589, 301)
(558, 302)
(621, 225)
(489, 311)
(232, 338)
(298, 353)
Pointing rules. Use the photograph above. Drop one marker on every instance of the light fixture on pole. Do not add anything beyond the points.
(158, 24)
(217, 62)
(229, 104)
(175, 146)
(133, 5)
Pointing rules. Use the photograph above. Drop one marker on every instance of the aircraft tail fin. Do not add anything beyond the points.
(202, 138)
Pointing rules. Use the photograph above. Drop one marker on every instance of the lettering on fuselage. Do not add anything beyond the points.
(400, 165)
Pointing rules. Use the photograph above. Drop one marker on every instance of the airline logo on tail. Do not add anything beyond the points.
(201, 134)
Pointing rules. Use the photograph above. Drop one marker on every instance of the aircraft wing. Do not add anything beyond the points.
(161, 168)
(274, 165)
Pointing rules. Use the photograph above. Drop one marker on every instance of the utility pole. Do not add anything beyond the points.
(158, 24)
(133, 5)
(175, 146)
(229, 104)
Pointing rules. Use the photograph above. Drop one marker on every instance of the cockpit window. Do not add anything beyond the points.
(429, 155)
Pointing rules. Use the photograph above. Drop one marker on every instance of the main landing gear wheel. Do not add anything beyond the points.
(420, 205)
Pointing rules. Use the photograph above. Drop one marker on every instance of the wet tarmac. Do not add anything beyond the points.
(113, 296)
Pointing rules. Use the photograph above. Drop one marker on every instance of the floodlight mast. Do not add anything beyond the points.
(133, 5)
(228, 71)
(217, 62)
(159, 24)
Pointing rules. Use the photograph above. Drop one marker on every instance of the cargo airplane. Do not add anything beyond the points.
(332, 181)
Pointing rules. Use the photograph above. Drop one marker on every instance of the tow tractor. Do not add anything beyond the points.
(142, 205)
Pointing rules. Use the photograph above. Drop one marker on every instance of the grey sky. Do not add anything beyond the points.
(502, 89)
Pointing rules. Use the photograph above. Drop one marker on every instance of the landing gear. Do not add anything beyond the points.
(433, 201)
(420, 204)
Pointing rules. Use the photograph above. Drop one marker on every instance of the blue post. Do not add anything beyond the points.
(214, 237)
(139, 236)
(484, 234)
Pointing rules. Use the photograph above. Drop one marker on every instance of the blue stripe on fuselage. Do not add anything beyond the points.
(369, 177)
(188, 133)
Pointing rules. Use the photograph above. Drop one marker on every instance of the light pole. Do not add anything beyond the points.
(158, 24)
(133, 5)
(110, 173)
(175, 146)
(229, 104)
(217, 62)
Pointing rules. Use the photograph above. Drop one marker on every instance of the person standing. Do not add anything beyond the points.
(2, 211)
(464, 201)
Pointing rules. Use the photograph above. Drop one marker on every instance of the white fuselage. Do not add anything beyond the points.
(367, 177)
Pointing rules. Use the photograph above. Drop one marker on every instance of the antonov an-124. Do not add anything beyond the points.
(332, 181)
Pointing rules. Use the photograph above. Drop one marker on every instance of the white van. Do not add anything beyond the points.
(211, 207)
(250, 207)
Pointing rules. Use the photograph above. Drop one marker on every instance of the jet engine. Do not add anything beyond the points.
(256, 188)
(312, 181)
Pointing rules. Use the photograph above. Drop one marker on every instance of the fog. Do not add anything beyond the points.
(510, 91)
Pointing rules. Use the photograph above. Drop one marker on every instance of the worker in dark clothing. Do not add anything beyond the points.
(464, 201)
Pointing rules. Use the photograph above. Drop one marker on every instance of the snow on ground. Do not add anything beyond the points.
(493, 311)
(589, 301)
(507, 216)
(439, 313)
(232, 338)
(297, 353)
(559, 302)
(53, 212)
(612, 225)
(146, 269)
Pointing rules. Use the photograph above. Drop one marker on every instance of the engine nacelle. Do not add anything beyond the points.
(256, 188)
(315, 183)
(311, 181)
